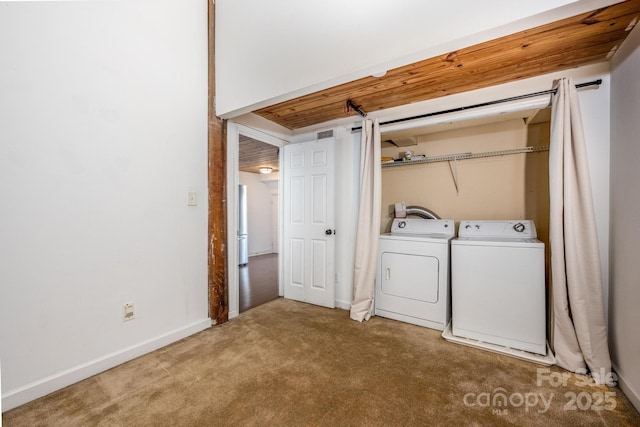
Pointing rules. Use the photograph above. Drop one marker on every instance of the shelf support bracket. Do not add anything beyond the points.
(453, 166)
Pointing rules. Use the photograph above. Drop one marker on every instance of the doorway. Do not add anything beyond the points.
(258, 210)
(255, 278)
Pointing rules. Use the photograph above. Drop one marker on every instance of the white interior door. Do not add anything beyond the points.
(308, 221)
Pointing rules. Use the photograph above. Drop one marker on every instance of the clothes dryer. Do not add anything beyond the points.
(412, 280)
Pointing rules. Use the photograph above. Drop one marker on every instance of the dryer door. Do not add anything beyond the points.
(414, 277)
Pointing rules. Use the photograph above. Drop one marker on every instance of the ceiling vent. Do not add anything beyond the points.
(325, 134)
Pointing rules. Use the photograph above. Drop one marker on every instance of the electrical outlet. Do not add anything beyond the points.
(128, 312)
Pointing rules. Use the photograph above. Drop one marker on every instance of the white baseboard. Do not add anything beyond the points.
(627, 389)
(345, 305)
(29, 392)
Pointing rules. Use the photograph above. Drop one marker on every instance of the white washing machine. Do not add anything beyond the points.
(412, 281)
(498, 284)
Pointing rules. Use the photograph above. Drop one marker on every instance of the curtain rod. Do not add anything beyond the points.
(484, 104)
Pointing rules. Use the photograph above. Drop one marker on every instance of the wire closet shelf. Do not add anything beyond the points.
(466, 156)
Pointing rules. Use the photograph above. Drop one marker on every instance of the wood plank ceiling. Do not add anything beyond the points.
(583, 39)
(254, 154)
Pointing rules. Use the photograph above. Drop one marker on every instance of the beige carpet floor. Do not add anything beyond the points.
(292, 364)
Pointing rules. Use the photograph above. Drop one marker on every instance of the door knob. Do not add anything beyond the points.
(329, 232)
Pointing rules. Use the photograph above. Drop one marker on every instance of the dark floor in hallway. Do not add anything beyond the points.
(258, 281)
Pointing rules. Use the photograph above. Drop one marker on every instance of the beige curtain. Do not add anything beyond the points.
(368, 223)
(579, 334)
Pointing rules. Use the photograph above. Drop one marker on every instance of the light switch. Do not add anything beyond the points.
(192, 198)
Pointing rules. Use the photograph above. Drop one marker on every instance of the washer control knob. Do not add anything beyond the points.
(477, 226)
(466, 227)
(402, 224)
(519, 227)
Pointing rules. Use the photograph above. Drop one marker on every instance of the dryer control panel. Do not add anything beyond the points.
(421, 226)
(511, 229)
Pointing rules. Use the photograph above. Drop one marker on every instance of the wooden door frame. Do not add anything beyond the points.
(217, 172)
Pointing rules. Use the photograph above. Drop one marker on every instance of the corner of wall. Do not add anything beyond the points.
(629, 391)
(627, 48)
(624, 342)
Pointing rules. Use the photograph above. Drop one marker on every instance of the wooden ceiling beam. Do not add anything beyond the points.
(564, 44)
(512, 50)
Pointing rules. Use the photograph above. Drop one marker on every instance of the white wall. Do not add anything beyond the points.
(103, 131)
(270, 51)
(259, 213)
(624, 298)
